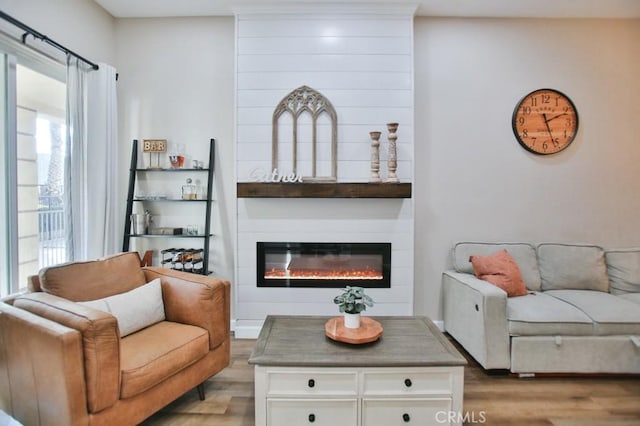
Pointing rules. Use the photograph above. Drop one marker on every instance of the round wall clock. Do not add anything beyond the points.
(545, 121)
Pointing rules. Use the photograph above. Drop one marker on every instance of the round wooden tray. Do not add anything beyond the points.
(370, 330)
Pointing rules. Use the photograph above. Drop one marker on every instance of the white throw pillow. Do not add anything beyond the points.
(135, 309)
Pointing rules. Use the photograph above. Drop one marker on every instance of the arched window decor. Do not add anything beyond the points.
(300, 102)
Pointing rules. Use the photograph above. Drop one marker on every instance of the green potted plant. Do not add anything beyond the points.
(351, 302)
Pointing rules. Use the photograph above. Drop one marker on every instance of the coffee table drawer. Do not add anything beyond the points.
(405, 411)
(314, 412)
(311, 383)
(409, 382)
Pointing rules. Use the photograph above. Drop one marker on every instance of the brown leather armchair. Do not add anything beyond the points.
(65, 363)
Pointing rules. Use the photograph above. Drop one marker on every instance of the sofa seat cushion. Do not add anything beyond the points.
(612, 315)
(523, 254)
(538, 314)
(634, 297)
(155, 353)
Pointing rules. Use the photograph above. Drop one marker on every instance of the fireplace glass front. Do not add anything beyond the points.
(323, 265)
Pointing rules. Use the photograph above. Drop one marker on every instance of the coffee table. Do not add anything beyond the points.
(411, 375)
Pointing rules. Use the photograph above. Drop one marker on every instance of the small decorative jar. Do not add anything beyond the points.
(189, 190)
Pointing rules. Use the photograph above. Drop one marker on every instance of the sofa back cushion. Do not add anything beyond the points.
(96, 279)
(523, 254)
(623, 267)
(572, 267)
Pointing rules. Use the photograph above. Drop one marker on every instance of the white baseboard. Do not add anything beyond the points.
(439, 324)
(251, 329)
(243, 329)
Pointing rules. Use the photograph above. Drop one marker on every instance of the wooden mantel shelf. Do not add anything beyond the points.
(323, 190)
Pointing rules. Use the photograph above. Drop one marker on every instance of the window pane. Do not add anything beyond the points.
(40, 160)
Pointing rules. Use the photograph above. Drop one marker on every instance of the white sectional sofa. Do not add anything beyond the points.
(581, 313)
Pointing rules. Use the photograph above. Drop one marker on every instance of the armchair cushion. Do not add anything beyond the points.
(195, 300)
(95, 279)
(134, 309)
(158, 352)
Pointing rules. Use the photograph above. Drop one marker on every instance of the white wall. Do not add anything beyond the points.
(79, 25)
(473, 180)
(176, 83)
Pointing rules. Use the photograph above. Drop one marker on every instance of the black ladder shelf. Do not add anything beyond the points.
(131, 199)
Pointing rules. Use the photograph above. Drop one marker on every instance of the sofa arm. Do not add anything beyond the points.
(100, 343)
(41, 370)
(475, 314)
(196, 300)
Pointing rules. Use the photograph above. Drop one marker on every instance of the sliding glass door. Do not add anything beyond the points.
(33, 98)
(40, 157)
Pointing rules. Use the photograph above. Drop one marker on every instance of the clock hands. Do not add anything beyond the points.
(546, 120)
(546, 123)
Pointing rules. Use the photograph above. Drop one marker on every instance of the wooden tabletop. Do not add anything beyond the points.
(301, 341)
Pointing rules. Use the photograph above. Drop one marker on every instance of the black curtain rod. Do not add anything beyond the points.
(43, 37)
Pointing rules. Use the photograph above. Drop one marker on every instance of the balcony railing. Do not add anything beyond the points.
(51, 231)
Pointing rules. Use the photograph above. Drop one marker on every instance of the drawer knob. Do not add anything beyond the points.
(311, 383)
(312, 418)
(406, 417)
(407, 383)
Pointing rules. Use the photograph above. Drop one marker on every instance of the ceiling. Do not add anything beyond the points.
(452, 8)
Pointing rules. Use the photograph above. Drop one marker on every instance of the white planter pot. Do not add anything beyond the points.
(352, 320)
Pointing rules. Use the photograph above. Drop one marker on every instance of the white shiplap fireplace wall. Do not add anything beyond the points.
(361, 59)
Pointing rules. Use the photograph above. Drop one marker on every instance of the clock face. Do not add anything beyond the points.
(545, 121)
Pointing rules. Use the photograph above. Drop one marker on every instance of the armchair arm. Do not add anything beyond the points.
(475, 313)
(100, 343)
(41, 370)
(196, 300)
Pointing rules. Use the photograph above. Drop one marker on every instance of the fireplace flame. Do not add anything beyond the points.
(311, 274)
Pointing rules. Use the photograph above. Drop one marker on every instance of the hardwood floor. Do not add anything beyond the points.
(488, 399)
(229, 396)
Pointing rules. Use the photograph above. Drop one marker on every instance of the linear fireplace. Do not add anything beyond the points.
(323, 265)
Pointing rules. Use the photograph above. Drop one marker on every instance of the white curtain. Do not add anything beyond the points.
(76, 160)
(103, 234)
(91, 187)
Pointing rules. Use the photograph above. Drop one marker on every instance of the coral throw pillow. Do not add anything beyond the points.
(500, 270)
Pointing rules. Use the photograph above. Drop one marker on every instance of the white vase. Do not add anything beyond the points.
(351, 320)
